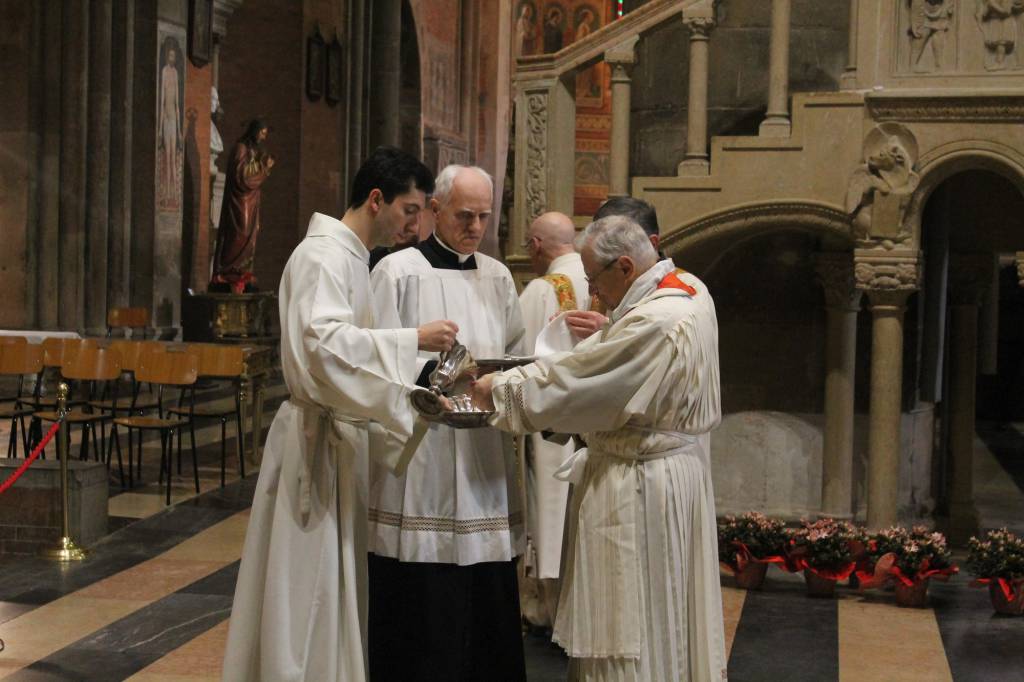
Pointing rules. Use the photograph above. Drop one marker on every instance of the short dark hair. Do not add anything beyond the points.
(393, 172)
(637, 209)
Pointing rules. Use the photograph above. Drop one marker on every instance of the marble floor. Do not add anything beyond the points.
(153, 599)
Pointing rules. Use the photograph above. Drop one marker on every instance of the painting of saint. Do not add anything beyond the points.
(170, 116)
(526, 29)
(588, 81)
(554, 28)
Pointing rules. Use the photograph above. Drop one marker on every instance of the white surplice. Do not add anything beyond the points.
(458, 501)
(300, 601)
(546, 496)
(640, 597)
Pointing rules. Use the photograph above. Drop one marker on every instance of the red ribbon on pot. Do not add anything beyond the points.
(744, 556)
(1007, 586)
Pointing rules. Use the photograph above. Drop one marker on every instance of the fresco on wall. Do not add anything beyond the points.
(170, 114)
(549, 26)
(170, 155)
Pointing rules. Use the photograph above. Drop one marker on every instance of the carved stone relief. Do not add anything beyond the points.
(536, 155)
(930, 23)
(835, 274)
(999, 22)
(880, 189)
(896, 274)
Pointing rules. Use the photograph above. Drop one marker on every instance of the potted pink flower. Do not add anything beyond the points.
(748, 544)
(907, 560)
(998, 561)
(826, 551)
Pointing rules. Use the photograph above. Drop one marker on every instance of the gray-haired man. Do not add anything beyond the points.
(640, 594)
(444, 536)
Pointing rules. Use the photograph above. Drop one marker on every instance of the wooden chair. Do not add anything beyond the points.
(222, 363)
(166, 370)
(90, 368)
(56, 353)
(18, 360)
(127, 319)
(11, 341)
(130, 352)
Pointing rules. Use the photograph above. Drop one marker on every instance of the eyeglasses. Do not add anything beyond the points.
(529, 240)
(590, 280)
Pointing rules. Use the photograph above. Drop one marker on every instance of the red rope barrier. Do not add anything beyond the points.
(28, 460)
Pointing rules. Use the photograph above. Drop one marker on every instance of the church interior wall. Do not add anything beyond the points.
(17, 143)
(196, 224)
(262, 75)
(738, 80)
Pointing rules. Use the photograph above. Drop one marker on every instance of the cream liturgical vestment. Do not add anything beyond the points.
(458, 501)
(546, 495)
(301, 598)
(640, 597)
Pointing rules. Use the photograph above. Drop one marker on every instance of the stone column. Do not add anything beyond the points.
(74, 94)
(355, 142)
(119, 236)
(848, 81)
(385, 67)
(48, 251)
(777, 123)
(969, 279)
(888, 277)
(842, 303)
(98, 164)
(621, 59)
(696, 159)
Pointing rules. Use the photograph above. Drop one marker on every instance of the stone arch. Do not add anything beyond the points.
(945, 161)
(744, 221)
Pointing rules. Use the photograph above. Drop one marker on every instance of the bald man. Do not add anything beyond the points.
(560, 286)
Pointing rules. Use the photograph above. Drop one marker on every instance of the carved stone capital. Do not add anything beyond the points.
(624, 53)
(887, 271)
(835, 274)
(700, 27)
(888, 301)
(970, 276)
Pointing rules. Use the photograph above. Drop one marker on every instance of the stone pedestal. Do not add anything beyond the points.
(30, 513)
(213, 317)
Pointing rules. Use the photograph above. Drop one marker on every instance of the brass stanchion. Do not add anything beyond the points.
(66, 550)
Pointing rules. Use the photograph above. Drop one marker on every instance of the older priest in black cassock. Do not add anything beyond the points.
(444, 536)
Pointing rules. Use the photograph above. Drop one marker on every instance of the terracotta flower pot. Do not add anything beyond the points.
(819, 587)
(1002, 605)
(751, 577)
(913, 596)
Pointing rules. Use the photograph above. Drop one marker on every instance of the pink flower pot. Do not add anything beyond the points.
(817, 586)
(751, 577)
(912, 596)
(1003, 605)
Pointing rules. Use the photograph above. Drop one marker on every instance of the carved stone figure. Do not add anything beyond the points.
(884, 184)
(998, 22)
(930, 21)
(248, 168)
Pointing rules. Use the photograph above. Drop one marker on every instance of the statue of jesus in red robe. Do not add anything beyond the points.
(240, 216)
